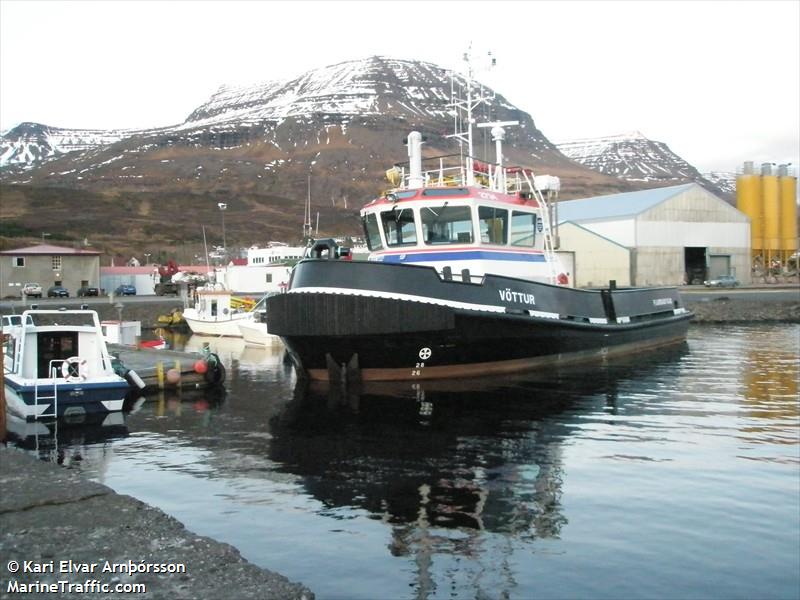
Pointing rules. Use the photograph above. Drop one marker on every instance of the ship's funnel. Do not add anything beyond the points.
(415, 179)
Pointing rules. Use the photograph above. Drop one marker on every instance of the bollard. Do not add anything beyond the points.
(160, 374)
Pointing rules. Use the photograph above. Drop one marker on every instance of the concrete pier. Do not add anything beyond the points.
(63, 535)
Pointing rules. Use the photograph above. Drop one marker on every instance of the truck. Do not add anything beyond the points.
(165, 285)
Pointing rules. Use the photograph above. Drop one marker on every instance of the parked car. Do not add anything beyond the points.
(722, 281)
(125, 290)
(32, 290)
(57, 291)
(88, 291)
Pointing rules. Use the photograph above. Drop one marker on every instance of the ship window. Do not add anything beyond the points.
(372, 232)
(446, 192)
(523, 228)
(446, 224)
(399, 227)
(493, 224)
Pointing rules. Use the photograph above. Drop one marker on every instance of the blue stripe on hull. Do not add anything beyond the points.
(86, 397)
(457, 255)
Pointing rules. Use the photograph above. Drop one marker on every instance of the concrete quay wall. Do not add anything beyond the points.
(51, 515)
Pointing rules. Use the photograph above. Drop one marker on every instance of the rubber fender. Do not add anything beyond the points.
(215, 374)
(132, 377)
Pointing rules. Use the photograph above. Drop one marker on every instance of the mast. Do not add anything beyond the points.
(307, 212)
(465, 107)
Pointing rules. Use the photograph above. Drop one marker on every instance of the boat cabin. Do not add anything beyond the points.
(463, 231)
(46, 339)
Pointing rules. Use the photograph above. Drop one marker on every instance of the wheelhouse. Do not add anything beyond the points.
(431, 219)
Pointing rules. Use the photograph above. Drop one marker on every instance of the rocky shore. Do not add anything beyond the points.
(59, 529)
(736, 308)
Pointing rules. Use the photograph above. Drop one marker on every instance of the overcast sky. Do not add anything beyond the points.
(719, 82)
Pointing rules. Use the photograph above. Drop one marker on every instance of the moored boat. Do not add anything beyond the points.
(462, 280)
(57, 365)
(255, 331)
(217, 311)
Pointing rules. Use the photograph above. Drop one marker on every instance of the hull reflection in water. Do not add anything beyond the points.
(63, 440)
(473, 455)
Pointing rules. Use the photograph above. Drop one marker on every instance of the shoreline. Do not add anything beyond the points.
(58, 528)
(710, 305)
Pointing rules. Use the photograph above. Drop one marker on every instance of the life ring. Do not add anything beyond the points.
(74, 369)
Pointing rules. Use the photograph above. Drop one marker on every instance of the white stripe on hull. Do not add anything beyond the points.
(393, 296)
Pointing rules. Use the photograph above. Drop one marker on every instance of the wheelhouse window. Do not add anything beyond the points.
(399, 227)
(372, 232)
(446, 192)
(446, 224)
(523, 229)
(493, 225)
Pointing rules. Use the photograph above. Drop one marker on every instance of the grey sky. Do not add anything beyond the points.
(719, 82)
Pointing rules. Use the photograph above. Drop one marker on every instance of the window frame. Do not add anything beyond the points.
(399, 213)
(506, 224)
(378, 231)
(534, 224)
(425, 211)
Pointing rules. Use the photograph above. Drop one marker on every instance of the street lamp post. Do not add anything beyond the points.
(146, 258)
(222, 206)
(44, 235)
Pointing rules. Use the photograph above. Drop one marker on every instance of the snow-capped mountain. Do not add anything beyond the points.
(258, 149)
(355, 88)
(630, 156)
(634, 157)
(30, 143)
(724, 180)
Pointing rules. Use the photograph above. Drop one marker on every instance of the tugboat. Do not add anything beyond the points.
(462, 281)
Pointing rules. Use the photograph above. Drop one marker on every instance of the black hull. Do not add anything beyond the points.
(404, 323)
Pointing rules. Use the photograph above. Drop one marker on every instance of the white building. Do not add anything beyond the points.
(275, 252)
(664, 236)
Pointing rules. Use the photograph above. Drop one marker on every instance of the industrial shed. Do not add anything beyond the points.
(673, 235)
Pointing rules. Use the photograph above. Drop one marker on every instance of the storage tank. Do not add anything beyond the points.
(770, 200)
(787, 184)
(748, 200)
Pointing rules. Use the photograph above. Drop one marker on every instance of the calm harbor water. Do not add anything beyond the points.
(675, 475)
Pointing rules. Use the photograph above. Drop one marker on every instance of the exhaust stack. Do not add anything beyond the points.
(415, 179)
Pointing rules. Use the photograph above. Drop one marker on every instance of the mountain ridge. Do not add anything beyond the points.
(256, 148)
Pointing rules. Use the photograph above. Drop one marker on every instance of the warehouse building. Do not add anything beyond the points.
(48, 265)
(664, 236)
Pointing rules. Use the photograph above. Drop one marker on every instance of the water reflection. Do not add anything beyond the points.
(471, 455)
(516, 487)
(66, 441)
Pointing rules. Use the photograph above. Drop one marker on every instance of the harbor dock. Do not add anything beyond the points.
(59, 529)
(168, 369)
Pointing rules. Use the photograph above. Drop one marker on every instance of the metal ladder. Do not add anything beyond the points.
(549, 250)
(53, 380)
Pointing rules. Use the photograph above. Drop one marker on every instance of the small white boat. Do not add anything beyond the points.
(256, 333)
(217, 312)
(56, 365)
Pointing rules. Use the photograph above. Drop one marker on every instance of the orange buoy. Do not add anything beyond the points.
(200, 367)
(173, 376)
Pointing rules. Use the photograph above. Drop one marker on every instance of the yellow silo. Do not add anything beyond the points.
(770, 200)
(748, 200)
(788, 199)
